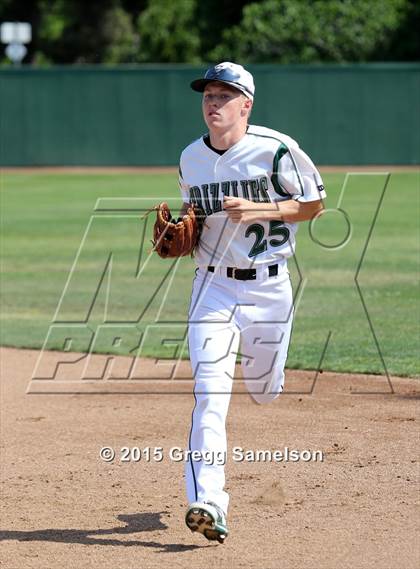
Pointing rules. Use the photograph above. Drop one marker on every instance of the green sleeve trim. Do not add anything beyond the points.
(281, 151)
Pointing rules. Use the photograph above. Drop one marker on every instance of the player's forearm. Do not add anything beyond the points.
(291, 211)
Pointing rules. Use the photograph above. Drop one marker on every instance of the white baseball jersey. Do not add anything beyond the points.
(264, 166)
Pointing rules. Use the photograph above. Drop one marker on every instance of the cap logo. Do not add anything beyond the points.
(221, 66)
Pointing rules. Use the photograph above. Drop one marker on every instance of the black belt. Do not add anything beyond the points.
(246, 274)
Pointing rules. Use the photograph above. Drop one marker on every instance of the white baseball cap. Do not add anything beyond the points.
(230, 73)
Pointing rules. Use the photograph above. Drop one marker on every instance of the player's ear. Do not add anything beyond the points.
(247, 105)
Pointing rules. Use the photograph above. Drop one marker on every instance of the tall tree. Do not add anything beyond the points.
(193, 31)
(292, 31)
(86, 32)
(215, 16)
(169, 32)
(75, 31)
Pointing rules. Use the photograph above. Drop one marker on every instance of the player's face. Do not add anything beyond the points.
(223, 107)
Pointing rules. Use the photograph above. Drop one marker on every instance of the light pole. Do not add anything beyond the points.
(16, 35)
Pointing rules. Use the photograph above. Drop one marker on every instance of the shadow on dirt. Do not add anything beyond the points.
(135, 523)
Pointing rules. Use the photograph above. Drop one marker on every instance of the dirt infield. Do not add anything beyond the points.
(65, 507)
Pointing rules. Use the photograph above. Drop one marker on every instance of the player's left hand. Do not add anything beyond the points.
(242, 210)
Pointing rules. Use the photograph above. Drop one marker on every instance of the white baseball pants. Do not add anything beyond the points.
(225, 314)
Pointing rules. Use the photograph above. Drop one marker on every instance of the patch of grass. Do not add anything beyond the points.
(45, 218)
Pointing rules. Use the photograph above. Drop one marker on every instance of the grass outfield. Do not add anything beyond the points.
(45, 217)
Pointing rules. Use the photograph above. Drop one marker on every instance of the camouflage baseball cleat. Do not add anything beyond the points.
(207, 518)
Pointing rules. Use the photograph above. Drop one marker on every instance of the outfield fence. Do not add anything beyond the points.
(144, 115)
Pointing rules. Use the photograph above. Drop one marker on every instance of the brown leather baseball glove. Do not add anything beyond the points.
(176, 237)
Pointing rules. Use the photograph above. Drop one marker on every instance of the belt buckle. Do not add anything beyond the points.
(234, 269)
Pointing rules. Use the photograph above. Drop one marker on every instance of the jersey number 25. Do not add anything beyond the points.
(260, 244)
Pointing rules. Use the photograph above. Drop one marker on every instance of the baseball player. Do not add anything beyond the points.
(254, 184)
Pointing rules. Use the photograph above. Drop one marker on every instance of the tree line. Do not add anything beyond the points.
(198, 31)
